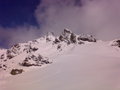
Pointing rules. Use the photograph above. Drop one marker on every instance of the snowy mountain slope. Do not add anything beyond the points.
(69, 62)
(40, 51)
(93, 66)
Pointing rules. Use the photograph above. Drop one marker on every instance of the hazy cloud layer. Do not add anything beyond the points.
(10, 36)
(98, 17)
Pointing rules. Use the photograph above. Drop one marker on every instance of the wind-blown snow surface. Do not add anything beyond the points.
(94, 66)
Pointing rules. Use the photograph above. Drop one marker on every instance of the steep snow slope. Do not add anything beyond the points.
(92, 66)
(23, 57)
(40, 51)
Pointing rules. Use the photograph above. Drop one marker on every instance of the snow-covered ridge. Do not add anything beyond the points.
(40, 51)
(93, 66)
(76, 62)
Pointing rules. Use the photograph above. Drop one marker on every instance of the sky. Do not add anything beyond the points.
(17, 17)
(23, 20)
(17, 12)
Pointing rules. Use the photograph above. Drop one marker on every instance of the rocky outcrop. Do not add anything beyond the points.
(33, 60)
(116, 43)
(16, 71)
(88, 38)
(71, 38)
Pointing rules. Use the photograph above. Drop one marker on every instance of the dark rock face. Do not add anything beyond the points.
(88, 38)
(71, 38)
(2, 56)
(13, 51)
(16, 71)
(31, 49)
(34, 61)
(61, 38)
(67, 37)
(48, 39)
(9, 54)
(116, 43)
(34, 49)
(3, 67)
(56, 41)
(0, 66)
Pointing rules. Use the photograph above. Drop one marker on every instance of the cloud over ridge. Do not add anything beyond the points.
(97, 17)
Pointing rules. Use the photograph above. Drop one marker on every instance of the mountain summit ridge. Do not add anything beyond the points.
(40, 52)
(35, 52)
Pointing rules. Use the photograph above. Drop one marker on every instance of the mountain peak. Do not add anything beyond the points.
(72, 59)
(39, 51)
(67, 31)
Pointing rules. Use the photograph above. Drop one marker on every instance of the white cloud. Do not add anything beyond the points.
(100, 18)
(97, 17)
(17, 35)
